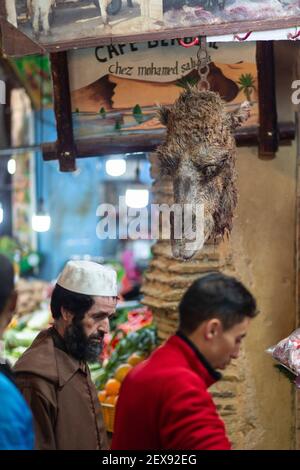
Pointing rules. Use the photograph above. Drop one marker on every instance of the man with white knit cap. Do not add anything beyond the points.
(53, 374)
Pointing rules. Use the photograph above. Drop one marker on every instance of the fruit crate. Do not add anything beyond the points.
(108, 412)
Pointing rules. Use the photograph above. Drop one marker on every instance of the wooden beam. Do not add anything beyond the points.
(245, 137)
(65, 147)
(268, 131)
(13, 41)
(17, 44)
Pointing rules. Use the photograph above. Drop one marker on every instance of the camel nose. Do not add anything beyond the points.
(182, 189)
(186, 185)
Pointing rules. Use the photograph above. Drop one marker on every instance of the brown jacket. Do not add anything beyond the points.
(62, 397)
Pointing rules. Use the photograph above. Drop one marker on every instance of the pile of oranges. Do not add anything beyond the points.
(109, 394)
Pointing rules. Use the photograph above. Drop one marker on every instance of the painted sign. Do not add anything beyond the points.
(118, 88)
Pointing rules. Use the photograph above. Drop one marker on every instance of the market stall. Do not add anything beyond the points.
(111, 74)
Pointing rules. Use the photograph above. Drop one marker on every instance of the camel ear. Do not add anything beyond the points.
(238, 117)
(164, 114)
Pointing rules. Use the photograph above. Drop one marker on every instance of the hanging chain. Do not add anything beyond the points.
(203, 65)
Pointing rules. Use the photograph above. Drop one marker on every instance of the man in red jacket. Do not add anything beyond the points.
(164, 402)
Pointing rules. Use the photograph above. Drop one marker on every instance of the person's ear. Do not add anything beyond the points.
(66, 315)
(213, 328)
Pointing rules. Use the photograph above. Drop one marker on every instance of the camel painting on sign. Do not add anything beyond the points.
(50, 22)
(199, 156)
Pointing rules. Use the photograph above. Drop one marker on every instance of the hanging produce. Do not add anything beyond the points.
(287, 353)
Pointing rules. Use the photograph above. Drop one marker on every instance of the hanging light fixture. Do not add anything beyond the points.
(137, 196)
(1, 213)
(115, 167)
(11, 166)
(41, 221)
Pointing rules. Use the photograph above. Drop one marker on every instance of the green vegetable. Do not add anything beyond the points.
(39, 320)
(17, 352)
(141, 341)
(14, 339)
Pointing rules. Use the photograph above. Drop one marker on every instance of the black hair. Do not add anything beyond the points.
(215, 296)
(77, 304)
(7, 284)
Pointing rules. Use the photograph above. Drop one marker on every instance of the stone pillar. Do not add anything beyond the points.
(164, 284)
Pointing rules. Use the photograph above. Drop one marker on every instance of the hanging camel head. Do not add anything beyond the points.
(199, 156)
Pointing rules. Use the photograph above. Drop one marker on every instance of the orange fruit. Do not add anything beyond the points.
(112, 387)
(102, 396)
(111, 399)
(135, 359)
(122, 371)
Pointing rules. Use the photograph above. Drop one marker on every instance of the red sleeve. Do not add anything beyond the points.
(188, 417)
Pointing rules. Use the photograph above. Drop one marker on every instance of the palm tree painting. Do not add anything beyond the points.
(246, 84)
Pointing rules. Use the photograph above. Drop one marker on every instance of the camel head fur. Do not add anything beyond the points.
(199, 156)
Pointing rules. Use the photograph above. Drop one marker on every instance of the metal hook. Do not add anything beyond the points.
(195, 42)
(240, 38)
(203, 65)
(295, 36)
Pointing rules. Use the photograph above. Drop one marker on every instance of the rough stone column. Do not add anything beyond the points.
(165, 281)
